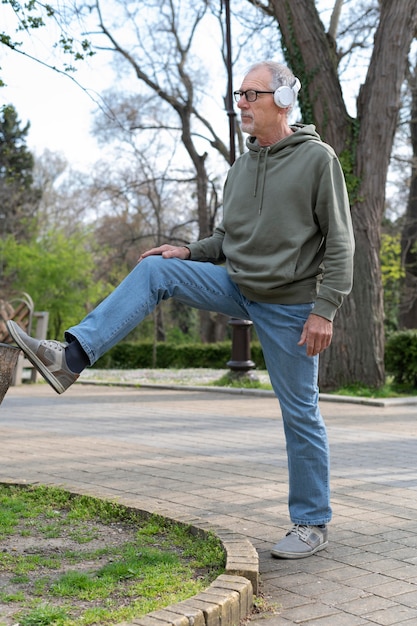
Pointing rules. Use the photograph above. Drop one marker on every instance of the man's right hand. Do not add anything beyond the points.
(168, 252)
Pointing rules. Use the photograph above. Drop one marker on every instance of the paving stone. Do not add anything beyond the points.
(218, 460)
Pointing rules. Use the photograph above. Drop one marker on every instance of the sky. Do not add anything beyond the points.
(60, 112)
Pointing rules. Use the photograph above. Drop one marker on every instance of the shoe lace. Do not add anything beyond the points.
(301, 531)
(55, 345)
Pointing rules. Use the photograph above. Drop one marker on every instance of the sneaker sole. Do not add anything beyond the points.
(298, 555)
(48, 376)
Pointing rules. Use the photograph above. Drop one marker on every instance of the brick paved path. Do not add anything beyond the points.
(221, 457)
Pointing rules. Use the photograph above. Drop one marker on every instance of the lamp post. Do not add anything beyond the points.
(229, 96)
(240, 363)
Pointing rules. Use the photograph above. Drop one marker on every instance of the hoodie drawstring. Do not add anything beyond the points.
(263, 177)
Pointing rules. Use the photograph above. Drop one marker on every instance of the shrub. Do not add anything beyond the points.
(139, 355)
(401, 356)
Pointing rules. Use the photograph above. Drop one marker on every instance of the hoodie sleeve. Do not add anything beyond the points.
(209, 249)
(332, 212)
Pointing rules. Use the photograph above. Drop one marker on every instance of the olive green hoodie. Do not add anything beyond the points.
(286, 235)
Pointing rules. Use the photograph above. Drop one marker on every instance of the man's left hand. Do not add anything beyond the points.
(317, 334)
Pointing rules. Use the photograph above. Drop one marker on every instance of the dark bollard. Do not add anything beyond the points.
(8, 362)
(241, 363)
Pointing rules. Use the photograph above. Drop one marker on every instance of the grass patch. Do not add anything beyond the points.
(389, 390)
(240, 381)
(357, 390)
(74, 560)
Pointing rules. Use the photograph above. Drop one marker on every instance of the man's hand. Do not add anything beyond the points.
(317, 334)
(168, 252)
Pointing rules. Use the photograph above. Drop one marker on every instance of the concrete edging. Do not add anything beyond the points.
(324, 397)
(225, 602)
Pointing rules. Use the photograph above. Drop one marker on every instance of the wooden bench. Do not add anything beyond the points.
(20, 308)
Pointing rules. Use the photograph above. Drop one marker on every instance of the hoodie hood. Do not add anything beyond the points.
(301, 134)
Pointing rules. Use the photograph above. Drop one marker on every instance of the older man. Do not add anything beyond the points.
(282, 257)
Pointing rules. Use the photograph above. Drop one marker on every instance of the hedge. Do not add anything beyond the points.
(401, 357)
(138, 355)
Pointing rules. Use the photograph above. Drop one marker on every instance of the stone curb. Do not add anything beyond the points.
(324, 397)
(226, 602)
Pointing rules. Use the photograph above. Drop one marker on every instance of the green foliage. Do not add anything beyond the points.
(389, 390)
(19, 199)
(16, 162)
(43, 615)
(391, 259)
(58, 272)
(33, 15)
(392, 272)
(240, 381)
(129, 355)
(347, 159)
(401, 356)
(184, 321)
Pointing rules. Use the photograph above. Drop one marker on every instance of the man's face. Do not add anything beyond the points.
(258, 118)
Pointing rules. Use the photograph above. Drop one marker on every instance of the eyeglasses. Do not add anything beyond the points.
(251, 95)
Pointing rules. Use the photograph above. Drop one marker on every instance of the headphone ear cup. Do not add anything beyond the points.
(284, 97)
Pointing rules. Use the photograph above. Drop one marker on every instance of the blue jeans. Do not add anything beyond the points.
(293, 374)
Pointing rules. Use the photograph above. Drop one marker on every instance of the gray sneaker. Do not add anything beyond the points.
(47, 356)
(301, 541)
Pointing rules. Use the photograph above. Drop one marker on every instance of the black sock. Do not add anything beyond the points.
(77, 360)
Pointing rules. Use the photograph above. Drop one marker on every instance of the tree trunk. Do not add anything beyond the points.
(213, 327)
(378, 107)
(408, 296)
(357, 351)
(8, 362)
(311, 56)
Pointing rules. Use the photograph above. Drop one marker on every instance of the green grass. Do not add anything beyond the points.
(43, 615)
(358, 390)
(111, 564)
(389, 390)
(239, 382)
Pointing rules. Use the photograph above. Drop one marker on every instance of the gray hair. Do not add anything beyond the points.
(281, 76)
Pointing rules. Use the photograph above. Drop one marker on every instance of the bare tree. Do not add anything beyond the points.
(65, 203)
(161, 61)
(408, 298)
(138, 206)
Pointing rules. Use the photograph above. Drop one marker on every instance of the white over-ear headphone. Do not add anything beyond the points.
(285, 96)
